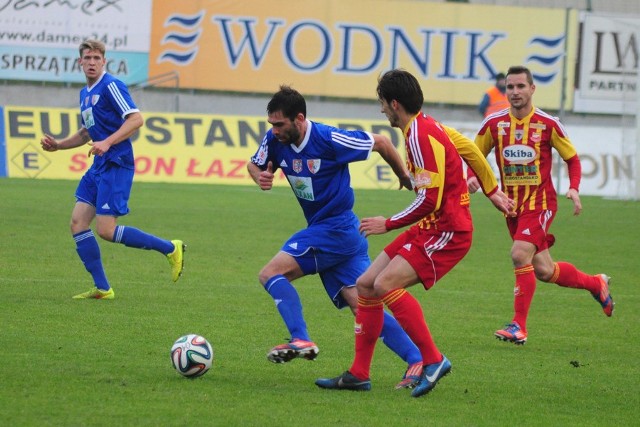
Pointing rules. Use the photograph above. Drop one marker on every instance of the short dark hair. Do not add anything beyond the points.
(403, 87)
(289, 101)
(500, 76)
(92, 45)
(521, 69)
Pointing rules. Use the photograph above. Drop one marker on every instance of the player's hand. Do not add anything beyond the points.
(503, 203)
(405, 182)
(49, 143)
(374, 225)
(98, 148)
(575, 198)
(473, 184)
(265, 180)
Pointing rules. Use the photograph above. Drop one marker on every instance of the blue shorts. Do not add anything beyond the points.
(339, 253)
(108, 190)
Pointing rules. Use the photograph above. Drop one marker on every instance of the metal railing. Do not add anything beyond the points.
(161, 79)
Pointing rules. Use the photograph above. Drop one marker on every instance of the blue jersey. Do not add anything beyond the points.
(104, 107)
(318, 170)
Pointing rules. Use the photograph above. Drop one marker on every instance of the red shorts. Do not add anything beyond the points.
(431, 253)
(533, 227)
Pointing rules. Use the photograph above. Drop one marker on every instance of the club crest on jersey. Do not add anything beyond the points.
(519, 133)
(95, 99)
(536, 137)
(313, 165)
(297, 165)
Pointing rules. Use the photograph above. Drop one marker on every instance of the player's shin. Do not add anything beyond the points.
(368, 325)
(288, 303)
(394, 337)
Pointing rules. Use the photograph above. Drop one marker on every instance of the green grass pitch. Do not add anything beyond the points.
(67, 362)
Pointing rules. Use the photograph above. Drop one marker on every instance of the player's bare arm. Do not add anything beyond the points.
(131, 124)
(49, 143)
(473, 184)
(373, 225)
(383, 146)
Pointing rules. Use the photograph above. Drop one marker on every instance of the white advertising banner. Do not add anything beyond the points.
(39, 39)
(607, 80)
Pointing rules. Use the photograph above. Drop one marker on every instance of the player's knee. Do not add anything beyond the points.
(543, 273)
(263, 277)
(364, 286)
(520, 258)
(266, 274)
(77, 226)
(105, 234)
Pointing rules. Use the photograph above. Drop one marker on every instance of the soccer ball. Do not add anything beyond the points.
(191, 355)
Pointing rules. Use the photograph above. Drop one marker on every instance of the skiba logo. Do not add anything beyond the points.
(519, 154)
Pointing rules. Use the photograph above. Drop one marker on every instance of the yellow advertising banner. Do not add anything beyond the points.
(337, 48)
(182, 148)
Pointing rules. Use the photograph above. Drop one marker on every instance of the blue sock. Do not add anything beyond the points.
(89, 252)
(289, 306)
(134, 238)
(394, 337)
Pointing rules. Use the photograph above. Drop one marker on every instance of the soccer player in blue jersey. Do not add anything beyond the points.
(315, 159)
(109, 118)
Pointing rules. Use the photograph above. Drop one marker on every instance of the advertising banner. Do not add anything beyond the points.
(338, 49)
(608, 65)
(214, 149)
(39, 39)
(183, 148)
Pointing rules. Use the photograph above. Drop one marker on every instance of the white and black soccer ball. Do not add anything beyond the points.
(191, 355)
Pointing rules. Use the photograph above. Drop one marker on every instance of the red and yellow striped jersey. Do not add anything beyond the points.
(442, 197)
(523, 154)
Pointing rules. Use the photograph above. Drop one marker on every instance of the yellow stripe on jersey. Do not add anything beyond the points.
(475, 157)
(437, 178)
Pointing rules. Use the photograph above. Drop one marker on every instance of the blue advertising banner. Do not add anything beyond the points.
(61, 65)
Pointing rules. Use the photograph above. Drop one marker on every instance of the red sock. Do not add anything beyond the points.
(408, 312)
(523, 292)
(369, 320)
(568, 276)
